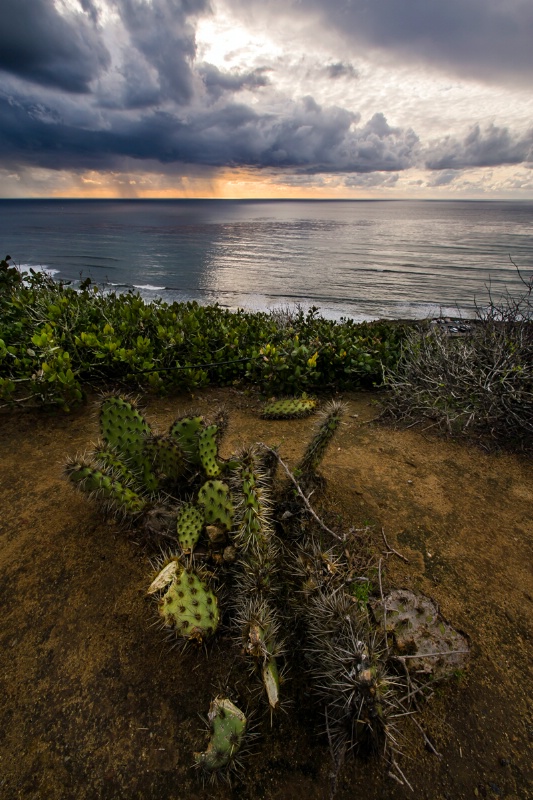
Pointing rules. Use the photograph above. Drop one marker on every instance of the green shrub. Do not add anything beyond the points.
(54, 341)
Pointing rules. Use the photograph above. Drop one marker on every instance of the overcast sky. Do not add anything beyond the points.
(266, 98)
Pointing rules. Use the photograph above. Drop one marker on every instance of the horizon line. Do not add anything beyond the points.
(272, 199)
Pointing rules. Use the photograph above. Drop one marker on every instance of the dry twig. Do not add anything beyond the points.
(301, 494)
(391, 549)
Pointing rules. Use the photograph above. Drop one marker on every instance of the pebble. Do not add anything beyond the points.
(453, 326)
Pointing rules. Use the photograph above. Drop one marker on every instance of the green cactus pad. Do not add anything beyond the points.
(189, 607)
(290, 408)
(166, 455)
(228, 726)
(215, 497)
(110, 462)
(186, 430)
(125, 430)
(115, 496)
(208, 451)
(191, 520)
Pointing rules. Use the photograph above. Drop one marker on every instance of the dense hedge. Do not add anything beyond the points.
(55, 340)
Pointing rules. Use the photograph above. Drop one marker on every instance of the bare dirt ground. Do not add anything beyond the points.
(95, 704)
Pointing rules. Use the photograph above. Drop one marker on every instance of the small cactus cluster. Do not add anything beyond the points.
(279, 594)
(289, 408)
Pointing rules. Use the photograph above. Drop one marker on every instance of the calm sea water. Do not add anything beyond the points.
(362, 259)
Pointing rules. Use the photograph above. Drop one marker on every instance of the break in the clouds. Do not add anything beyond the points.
(379, 96)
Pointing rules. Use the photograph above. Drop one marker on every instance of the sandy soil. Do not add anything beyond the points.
(95, 704)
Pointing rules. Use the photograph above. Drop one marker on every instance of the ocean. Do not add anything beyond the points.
(358, 259)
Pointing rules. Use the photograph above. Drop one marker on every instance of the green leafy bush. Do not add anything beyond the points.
(54, 341)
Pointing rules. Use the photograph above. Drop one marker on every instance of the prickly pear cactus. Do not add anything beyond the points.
(189, 606)
(186, 430)
(126, 430)
(208, 451)
(289, 408)
(115, 496)
(215, 497)
(191, 520)
(228, 727)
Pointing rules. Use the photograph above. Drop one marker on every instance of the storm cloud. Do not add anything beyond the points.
(217, 82)
(308, 138)
(490, 147)
(163, 33)
(42, 46)
(86, 84)
(483, 39)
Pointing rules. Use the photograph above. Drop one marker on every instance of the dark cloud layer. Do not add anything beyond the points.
(490, 147)
(483, 39)
(340, 69)
(69, 102)
(40, 45)
(218, 83)
(163, 33)
(308, 138)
